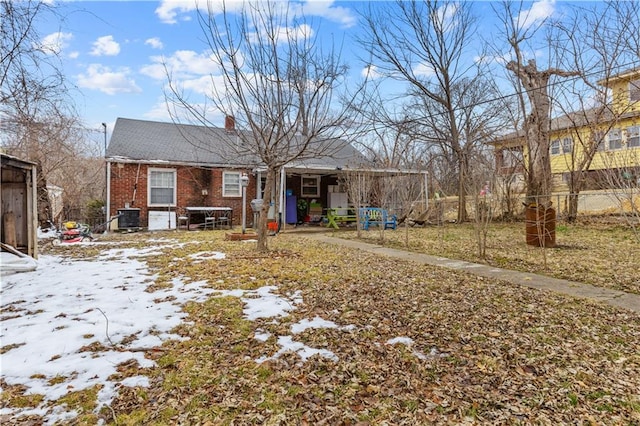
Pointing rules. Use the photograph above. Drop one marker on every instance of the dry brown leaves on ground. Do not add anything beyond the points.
(599, 254)
(413, 345)
(480, 351)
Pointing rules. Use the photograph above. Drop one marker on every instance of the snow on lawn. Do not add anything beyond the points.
(50, 315)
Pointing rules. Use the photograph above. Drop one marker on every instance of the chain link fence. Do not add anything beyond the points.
(615, 204)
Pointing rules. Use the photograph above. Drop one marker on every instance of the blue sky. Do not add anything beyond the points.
(112, 50)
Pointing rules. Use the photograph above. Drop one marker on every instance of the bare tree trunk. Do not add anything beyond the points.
(536, 84)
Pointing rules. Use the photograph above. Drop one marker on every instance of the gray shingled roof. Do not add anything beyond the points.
(152, 141)
(569, 121)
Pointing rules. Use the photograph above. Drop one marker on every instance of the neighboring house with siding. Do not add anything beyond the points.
(613, 132)
(157, 169)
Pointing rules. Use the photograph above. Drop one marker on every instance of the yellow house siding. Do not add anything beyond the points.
(624, 113)
(605, 157)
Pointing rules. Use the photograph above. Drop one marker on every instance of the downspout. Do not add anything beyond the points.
(108, 206)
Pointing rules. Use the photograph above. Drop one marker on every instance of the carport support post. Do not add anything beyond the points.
(244, 182)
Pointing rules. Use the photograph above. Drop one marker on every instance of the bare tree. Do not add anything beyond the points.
(278, 83)
(481, 185)
(535, 83)
(600, 42)
(426, 44)
(621, 178)
(359, 185)
(37, 116)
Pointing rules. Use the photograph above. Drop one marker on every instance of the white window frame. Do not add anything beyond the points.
(633, 136)
(173, 172)
(614, 135)
(231, 189)
(567, 145)
(307, 189)
(554, 149)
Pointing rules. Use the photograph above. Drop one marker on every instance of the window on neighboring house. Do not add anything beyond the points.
(231, 184)
(512, 157)
(310, 186)
(615, 139)
(162, 187)
(634, 90)
(555, 147)
(633, 137)
(567, 145)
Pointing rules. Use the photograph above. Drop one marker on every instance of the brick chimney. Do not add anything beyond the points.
(229, 123)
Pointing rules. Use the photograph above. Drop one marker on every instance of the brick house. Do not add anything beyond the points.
(156, 170)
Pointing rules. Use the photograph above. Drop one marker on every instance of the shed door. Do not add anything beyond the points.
(14, 199)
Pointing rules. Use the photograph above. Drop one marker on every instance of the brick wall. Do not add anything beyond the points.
(196, 187)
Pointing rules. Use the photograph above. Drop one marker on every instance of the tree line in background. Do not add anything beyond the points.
(38, 121)
(291, 91)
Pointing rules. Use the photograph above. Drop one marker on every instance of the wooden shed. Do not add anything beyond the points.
(18, 201)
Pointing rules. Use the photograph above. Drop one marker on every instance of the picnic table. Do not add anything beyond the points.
(335, 216)
(213, 216)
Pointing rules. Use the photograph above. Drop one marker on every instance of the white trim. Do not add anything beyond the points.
(175, 186)
(302, 186)
(224, 187)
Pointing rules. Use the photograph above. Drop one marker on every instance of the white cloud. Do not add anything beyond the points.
(370, 72)
(283, 33)
(105, 45)
(327, 10)
(539, 11)
(161, 111)
(203, 85)
(158, 112)
(99, 77)
(74, 55)
(446, 14)
(54, 43)
(169, 10)
(182, 64)
(424, 70)
(154, 42)
(155, 71)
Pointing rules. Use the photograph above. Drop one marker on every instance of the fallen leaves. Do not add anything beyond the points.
(598, 254)
(513, 355)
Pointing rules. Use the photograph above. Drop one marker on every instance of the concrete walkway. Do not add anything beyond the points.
(612, 297)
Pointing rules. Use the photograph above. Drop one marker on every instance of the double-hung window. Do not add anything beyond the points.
(310, 186)
(231, 184)
(555, 147)
(633, 137)
(615, 139)
(567, 145)
(162, 187)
